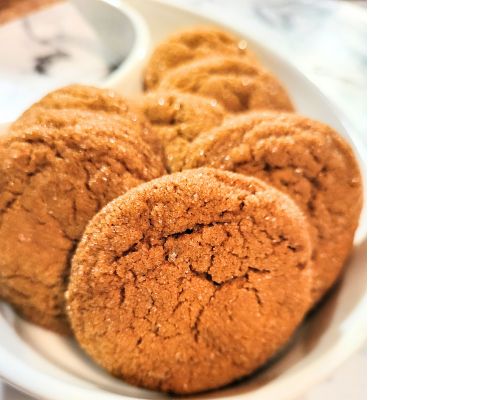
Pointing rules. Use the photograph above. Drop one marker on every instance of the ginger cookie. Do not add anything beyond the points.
(177, 119)
(236, 84)
(190, 281)
(303, 158)
(53, 179)
(88, 98)
(189, 45)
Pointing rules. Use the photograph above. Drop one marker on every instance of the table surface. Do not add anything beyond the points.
(326, 39)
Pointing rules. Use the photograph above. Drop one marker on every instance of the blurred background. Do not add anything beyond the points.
(326, 39)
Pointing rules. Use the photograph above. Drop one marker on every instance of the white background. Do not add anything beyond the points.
(434, 270)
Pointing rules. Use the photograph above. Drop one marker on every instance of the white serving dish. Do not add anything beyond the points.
(48, 366)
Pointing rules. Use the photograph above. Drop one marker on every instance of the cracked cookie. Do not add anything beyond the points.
(236, 84)
(192, 44)
(190, 281)
(53, 179)
(177, 119)
(303, 158)
(87, 98)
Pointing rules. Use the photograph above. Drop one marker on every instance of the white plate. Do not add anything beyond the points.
(48, 366)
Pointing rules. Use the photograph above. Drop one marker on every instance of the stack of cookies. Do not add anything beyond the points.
(182, 236)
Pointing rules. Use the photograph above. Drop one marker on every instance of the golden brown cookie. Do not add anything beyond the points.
(303, 158)
(88, 98)
(177, 119)
(192, 44)
(236, 84)
(53, 179)
(190, 281)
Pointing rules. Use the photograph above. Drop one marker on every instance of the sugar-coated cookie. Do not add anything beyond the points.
(53, 179)
(104, 102)
(235, 83)
(190, 281)
(189, 45)
(303, 158)
(177, 119)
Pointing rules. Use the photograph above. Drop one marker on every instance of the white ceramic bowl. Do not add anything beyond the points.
(48, 366)
(123, 32)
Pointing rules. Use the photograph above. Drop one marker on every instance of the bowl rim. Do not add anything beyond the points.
(142, 42)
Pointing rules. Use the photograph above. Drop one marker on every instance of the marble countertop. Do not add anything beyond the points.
(326, 39)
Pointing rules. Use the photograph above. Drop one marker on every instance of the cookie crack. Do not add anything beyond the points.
(30, 176)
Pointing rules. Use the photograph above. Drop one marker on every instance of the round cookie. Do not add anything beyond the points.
(192, 44)
(177, 119)
(235, 83)
(303, 158)
(191, 281)
(53, 179)
(88, 98)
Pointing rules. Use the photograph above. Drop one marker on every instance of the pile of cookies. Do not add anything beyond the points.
(182, 236)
